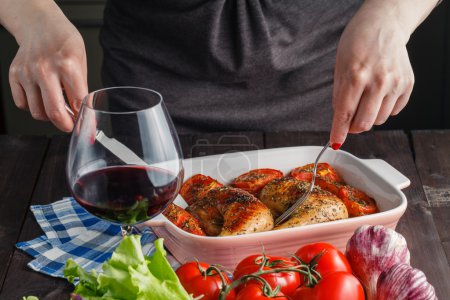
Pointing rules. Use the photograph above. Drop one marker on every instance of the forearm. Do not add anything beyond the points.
(407, 14)
(18, 15)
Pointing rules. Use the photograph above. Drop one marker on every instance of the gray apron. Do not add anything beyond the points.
(229, 65)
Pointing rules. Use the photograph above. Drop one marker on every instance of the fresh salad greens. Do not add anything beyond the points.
(129, 274)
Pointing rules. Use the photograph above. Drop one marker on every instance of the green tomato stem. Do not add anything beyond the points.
(226, 289)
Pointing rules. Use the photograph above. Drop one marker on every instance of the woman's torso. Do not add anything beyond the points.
(229, 65)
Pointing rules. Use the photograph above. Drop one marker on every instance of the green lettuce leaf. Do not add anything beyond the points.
(129, 275)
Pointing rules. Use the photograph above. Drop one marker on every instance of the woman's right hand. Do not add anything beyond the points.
(51, 60)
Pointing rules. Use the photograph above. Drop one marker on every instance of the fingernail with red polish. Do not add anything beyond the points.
(336, 146)
(93, 140)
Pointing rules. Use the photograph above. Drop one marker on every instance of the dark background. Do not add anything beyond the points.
(429, 49)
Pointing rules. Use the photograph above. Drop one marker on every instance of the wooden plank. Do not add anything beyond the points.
(288, 139)
(417, 223)
(20, 161)
(51, 186)
(432, 149)
(223, 142)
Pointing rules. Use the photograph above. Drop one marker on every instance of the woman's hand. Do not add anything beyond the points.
(373, 75)
(51, 60)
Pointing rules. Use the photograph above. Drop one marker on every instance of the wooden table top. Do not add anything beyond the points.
(32, 172)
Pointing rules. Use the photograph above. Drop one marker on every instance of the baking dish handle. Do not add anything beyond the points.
(388, 172)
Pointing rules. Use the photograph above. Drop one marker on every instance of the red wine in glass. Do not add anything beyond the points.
(126, 194)
(124, 163)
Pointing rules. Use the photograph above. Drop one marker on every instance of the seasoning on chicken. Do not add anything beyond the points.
(182, 219)
(321, 206)
(356, 201)
(280, 194)
(196, 187)
(227, 211)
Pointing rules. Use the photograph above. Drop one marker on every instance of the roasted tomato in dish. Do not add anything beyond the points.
(254, 291)
(357, 202)
(183, 219)
(196, 187)
(327, 178)
(254, 180)
(336, 286)
(326, 258)
(288, 281)
(198, 280)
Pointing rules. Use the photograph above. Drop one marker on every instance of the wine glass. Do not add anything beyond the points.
(124, 163)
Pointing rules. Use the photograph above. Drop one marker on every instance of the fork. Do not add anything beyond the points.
(302, 199)
(114, 146)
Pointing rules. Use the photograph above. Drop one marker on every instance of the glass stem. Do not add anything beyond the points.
(126, 230)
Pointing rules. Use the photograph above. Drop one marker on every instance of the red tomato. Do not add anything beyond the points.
(254, 291)
(336, 286)
(324, 172)
(288, 281)
(182, 219)
(357, 202)
(196, 283)
(196, 187)
(254, 180)
(326, 176)
(332, 260)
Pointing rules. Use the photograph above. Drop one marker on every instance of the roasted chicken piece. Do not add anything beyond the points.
(254, 180)
(356, 201)
(280, 194)
(321, 206)
(182, 219)
(196, 187)
(227, 211)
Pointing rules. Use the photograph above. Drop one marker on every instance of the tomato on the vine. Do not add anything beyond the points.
(326, 256)
(336, 286)
(254, 291)
(193, 278)
(288, 281)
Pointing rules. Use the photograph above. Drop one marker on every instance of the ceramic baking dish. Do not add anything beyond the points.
(374, 176)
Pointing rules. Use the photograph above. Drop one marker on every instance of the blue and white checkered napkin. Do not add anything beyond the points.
(71, 232)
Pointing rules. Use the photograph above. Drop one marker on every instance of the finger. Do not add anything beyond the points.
(34, 99)
(18, 94)
(386, 108)
(402, 101)
(368, 109)
(75, 85)
(345, 105)
(54, 103)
